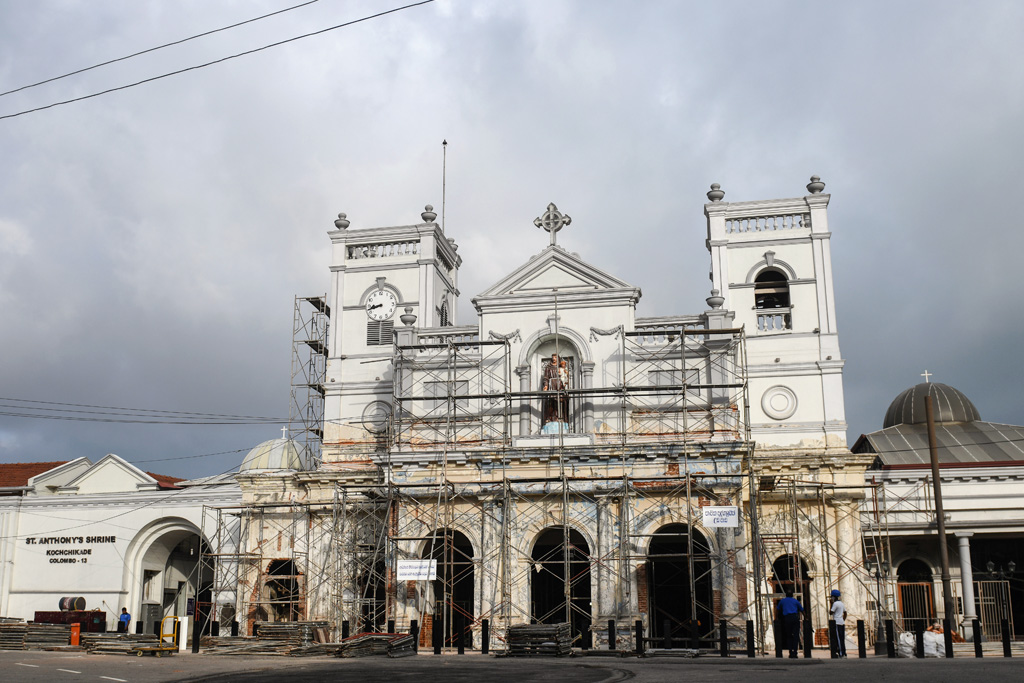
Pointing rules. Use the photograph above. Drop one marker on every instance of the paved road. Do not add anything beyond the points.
(54, 667)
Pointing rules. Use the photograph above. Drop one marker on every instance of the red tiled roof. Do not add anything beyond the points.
(18, 473)
(164, 479)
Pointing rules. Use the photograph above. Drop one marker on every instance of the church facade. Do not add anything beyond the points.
(561, 459)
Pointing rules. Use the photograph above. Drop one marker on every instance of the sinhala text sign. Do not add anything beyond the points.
(417, 570)
(720, 515)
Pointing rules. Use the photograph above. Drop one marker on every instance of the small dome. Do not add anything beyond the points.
(948, 404)
(276, 454)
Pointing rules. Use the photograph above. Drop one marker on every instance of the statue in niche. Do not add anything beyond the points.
(556, 381)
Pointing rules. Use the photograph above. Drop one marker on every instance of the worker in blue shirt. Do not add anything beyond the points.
(788, 609)
(123, 621)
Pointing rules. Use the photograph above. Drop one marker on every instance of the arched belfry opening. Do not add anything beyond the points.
(452, 591)
(561, 569)
(771, 289)
(679, 590)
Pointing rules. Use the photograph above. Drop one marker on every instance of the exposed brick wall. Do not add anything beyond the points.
(716, 599)
(426, 630)
(641, 587)
(410, 590)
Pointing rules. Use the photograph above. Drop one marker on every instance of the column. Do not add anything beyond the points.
(523, 371)
(967, 580)
(587, 368)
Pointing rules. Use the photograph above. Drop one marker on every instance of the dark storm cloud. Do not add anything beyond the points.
(151, 240)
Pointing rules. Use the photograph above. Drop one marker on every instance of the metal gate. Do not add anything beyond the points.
(993, 606)
(917, 604)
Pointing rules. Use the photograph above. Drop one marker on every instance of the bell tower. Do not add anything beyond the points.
(771, 261)
(381, 278)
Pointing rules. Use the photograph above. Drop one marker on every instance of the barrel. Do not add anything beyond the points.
(72, 604)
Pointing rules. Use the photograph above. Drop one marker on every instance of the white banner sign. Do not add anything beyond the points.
(417, 570)
(720, 515)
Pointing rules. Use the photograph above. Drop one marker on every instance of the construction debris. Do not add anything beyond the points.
(539, 640)
(378, 644)
(46, 636)
(12, 634)
(115, 643)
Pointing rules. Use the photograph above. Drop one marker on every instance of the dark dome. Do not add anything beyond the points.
(948, 404)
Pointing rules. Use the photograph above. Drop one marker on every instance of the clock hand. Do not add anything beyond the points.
(374, 306)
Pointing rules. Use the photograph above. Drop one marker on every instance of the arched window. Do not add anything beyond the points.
(771, 290)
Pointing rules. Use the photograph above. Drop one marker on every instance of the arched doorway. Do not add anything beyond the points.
(165, 575)
(452, 598)
(785, 579)
(283, 591)
(679, 591)
(916, 591)
(554, 564)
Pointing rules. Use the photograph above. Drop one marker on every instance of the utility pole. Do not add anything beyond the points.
(940, 517)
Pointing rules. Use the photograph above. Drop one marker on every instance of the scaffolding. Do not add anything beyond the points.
(309, 370)
(597, 523)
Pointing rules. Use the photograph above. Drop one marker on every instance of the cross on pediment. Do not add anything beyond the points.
(552, 220)
(927, 375)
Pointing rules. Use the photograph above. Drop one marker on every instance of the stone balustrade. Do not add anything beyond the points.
(665, 331)
(383, 250)
(768, 223)
(774, 320)
(443, 335)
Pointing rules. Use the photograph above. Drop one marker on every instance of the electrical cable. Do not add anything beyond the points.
(154, 49)
(216, 61)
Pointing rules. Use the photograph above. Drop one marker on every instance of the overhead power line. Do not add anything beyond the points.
(154, 49)
(84, 412)
(217, 61)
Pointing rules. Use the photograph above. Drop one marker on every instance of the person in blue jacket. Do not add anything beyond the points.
(123, 621)
(788, 610)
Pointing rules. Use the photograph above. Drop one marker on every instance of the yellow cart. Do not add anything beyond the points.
(168, 640)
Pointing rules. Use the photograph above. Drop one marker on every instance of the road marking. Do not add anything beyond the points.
(34, 666)
(69, 671)
(109, 678)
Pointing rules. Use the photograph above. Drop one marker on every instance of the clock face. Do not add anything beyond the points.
(381, 305)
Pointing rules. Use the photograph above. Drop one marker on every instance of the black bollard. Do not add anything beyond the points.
(344, 629)
(196, 635)
(750, 638)
(862, 649)
(976, 627)
(808, 638)
(156, 628)
(779, 635)
(833, 646)
(919, 637)
(639, 636)
(437, 637)
(234, 628)
(611, 634)
(890, 639)
(460, 639)
(215, 628)
(1006, 637)
(414, 631)
(666, 635)
(947, 636)
(485, 636)
(391, 625)
(694, 636)
(140, 626)
(723, 631)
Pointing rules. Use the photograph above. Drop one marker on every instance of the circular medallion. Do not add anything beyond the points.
(381, 305)
(376, 417)
(779, 402)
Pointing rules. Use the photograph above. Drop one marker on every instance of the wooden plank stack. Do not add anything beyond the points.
(378, 645)
(12, 634)
(539, 640)
(115, 643)
(45, 636)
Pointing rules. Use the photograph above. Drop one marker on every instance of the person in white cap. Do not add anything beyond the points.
(838, 611)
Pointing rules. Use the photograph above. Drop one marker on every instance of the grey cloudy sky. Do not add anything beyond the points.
(152, 240)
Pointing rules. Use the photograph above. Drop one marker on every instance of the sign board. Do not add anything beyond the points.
(417, 570)
(190, 607)
(720, 515)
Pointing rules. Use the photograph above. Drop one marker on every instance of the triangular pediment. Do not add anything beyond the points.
(110, 474)
(555, 268)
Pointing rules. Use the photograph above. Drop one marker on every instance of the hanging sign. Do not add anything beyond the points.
(720, 515)
(417, 570)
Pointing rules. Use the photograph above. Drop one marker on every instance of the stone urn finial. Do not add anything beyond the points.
(716, 300)
(408, 318)
(428, 214)
(451, 241)
(342, 221)
(815, 186)
(716, 194)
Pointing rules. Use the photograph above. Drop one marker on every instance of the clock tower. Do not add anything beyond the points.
(379, 276)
